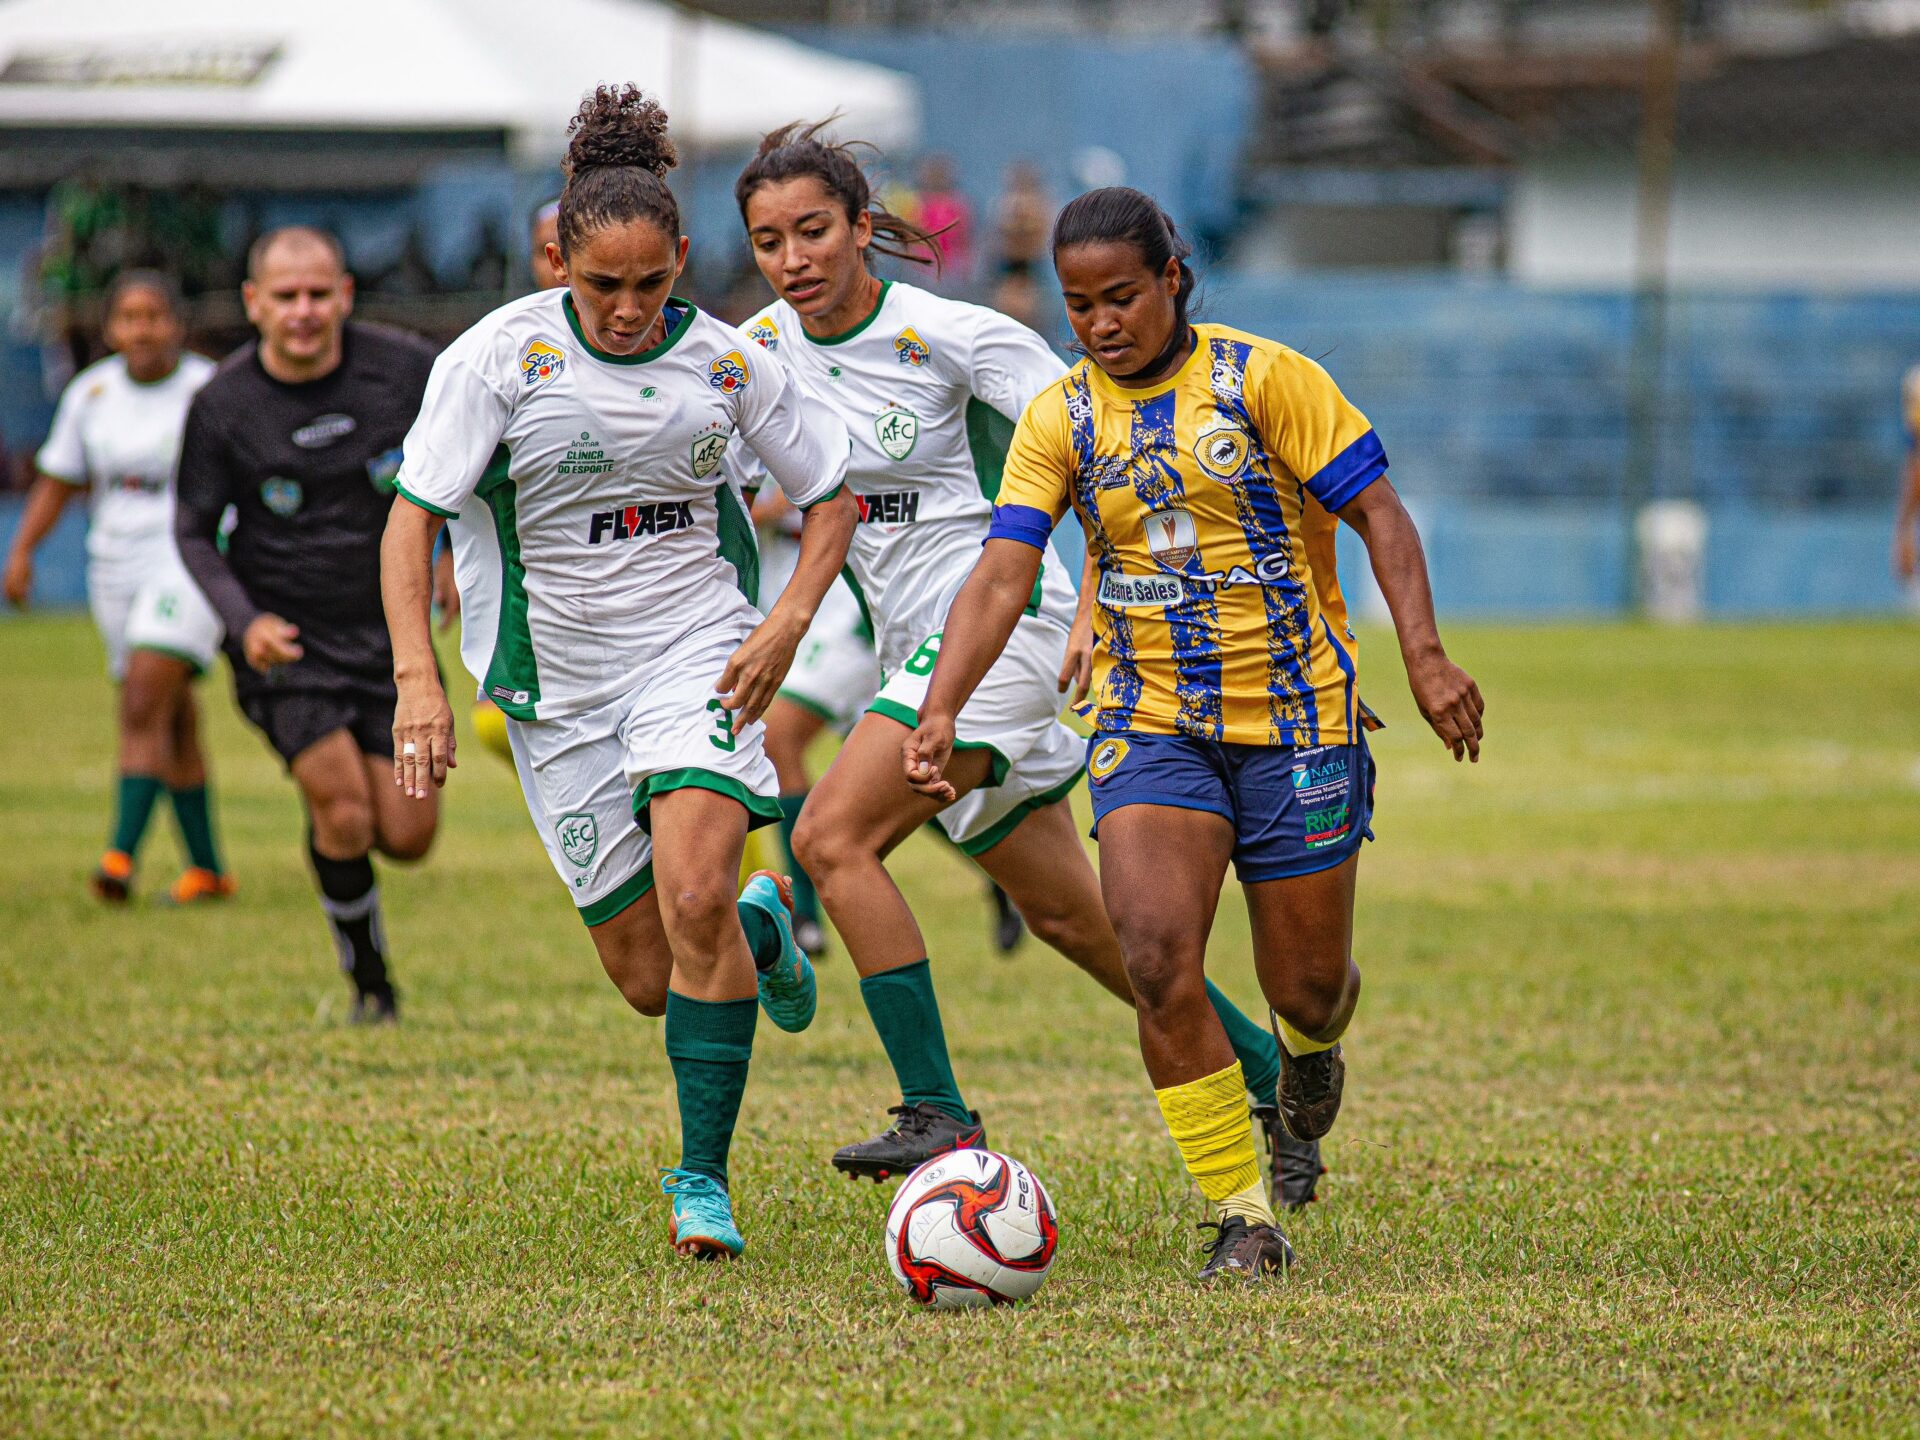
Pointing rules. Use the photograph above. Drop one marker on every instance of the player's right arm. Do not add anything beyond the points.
(443, 457)
(1033, 497)
(62, 463)
(206, 486)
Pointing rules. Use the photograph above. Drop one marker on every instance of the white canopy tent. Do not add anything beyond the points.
(513, 70)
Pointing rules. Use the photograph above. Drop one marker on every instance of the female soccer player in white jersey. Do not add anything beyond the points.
(929, 388)
(117, 430)
(574, 439)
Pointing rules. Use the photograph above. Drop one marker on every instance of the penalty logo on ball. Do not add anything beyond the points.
(971, 1228)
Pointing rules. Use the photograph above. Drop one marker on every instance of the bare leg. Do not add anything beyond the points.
(633, 950)
(1045, 870)
(1303, 948)
(403, 828)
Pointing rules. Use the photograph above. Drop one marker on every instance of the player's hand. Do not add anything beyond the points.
(1904, 559)
(271, 641)
(1076, 669)
(422, 739)
(446, 594)
(754, 671)
(925, 754)
(19, 580)
(1450, 703)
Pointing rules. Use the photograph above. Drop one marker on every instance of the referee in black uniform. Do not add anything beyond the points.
(300, 433)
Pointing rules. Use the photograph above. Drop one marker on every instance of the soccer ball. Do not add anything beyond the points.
(971, 1228)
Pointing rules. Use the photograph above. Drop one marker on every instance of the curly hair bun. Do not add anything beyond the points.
(619, 126)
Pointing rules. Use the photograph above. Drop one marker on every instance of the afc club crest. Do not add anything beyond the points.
(1171, 538)
(765, 334)
(541, 363)
(1222, 451)
(579, 837)
(729, 374)
(708, 448)
(898, 430)
(911, 349)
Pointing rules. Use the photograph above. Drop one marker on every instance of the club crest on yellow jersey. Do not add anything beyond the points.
(729, 373)
(540, 362)
(1222, 450)
(1171, 537)
(1106, 758)
(765, 334)
(911, 349)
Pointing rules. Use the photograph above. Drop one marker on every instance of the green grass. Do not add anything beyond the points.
(1631, 1143)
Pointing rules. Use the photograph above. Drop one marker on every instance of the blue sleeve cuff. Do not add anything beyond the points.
(1023, 523)
(1349, 472)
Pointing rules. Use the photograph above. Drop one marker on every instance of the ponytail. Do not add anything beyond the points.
(796, 150)
(1121, 213)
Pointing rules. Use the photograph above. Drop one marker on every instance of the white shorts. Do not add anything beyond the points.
(159, 609)
(1014, 715)
(588, 777)
(835, 673)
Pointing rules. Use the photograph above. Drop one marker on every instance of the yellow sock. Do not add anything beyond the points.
(1208, 1120)
(1250, 1205)
(1298, 1044)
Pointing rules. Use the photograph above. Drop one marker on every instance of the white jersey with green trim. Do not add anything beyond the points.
(929, 389)
(594, 523)
(122, 438)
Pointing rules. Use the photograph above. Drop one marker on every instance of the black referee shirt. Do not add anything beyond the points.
(309, 471)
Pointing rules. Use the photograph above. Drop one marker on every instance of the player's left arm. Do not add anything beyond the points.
(1447, 696)
(1323, 438)
(805, 449)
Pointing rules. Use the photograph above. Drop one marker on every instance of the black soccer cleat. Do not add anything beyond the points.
(1009, 928)
(375, 1007)
(1293, 1166)
(922, 1132)
(1239, 1251)
(1310, 1087)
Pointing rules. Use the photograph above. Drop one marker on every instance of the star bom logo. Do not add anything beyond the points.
(765, 334)
(729, 374)
(541, 362)
(911, 349)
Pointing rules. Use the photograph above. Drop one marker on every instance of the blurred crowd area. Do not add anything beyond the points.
(1572, 256)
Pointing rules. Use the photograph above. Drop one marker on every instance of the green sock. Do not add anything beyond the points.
(907, 1016)
(191, 809)
(133, 809)
(763, 936)
(806, 901)
(709, 1043)
(1252, 1045)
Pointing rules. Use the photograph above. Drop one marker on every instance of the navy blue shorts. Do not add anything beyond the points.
(1293, 810)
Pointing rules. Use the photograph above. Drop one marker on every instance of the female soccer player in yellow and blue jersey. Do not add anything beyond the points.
(1208, 467)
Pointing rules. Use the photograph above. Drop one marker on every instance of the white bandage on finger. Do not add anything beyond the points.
(409, 748)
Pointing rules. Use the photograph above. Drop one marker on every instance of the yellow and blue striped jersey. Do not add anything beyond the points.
(1207, 502)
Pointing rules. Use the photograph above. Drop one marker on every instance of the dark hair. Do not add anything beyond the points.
(796, 150)
(158, 281)
(1119, 212)
(257, 252)
(618, 155)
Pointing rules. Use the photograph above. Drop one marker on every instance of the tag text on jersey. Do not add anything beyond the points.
(1118, 591)
(632, 522)
(898, 507)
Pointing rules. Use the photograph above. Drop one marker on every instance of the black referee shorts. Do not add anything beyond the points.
(292, 720)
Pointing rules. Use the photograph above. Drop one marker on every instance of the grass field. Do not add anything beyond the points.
(1631, 1143)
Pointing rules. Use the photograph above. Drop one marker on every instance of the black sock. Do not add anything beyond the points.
(351, 902)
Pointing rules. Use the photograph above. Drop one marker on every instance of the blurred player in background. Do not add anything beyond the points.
(1207, 466)
(928, 387)
(575, 439)
(300, 433)
(1907, 518)
(117, 431)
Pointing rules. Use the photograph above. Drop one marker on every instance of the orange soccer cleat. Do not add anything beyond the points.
(112, 880)
(196, 884)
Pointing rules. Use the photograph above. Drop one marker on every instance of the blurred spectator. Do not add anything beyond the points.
(946, 212)
(1907, 518)
(1022, 222)
(543, 229)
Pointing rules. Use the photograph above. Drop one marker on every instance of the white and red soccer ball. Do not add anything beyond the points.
(971, 1228)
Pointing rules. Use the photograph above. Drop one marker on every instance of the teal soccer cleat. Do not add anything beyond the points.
(787, 990)
(703, 1225)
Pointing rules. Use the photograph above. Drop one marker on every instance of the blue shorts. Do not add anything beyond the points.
(1293, 810)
